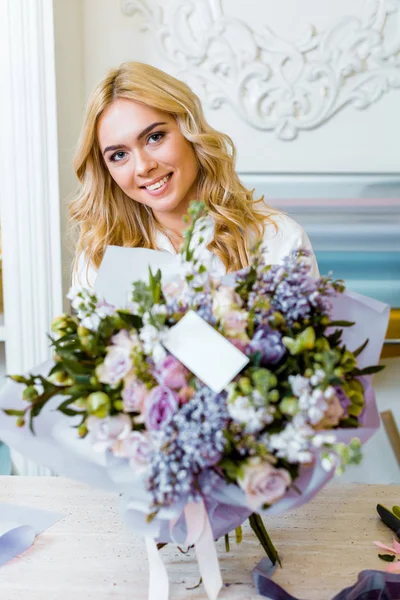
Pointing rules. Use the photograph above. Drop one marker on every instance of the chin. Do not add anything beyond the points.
(166, 204)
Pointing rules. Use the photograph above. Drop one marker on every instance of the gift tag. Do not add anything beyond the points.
(204, 351)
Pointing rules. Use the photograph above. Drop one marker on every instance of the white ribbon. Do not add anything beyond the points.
(200, 534)
(158, 576)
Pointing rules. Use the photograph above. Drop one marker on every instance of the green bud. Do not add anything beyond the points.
(18, 378)
(308, 373)
(30, 393)
(118, 405)
(83, 331)
(338, 372)
(322, 345)
(20, 422)
(81, 402)
(82, 430)
(289, 406)
(60, 378)
(273, 396)
(277, 319)
(245, 386)
(59, 323)
(93, 381)
(325, 320)
(99, 404)
(355, 444)
(348, 361)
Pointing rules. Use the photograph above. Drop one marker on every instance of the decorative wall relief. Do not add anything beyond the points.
(276, 84)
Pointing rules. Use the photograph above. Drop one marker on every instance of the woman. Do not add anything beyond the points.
(145, 152)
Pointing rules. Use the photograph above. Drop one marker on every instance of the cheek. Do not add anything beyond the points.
(121, 177)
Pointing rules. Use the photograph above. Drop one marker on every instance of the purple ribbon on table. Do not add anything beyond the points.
(370, 585)
(19, 525)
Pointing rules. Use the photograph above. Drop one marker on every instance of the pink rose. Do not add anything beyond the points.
(134, 394)
(137, 448)
(234, 323)
(161, 404)
(225, 299)
(116, 365)
(171, 372)
(334, 411)
(239, 344)
(263, 483)
(173, 289)
(106, 432)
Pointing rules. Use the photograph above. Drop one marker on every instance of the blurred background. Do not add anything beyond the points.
(310, 93)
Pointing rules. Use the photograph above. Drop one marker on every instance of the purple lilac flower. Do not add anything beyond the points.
(191, 442)
(269, 344)
(292, 290)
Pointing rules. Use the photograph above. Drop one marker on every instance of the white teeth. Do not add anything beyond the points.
(158, 184)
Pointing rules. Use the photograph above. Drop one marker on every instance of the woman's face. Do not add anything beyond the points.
(148, 157)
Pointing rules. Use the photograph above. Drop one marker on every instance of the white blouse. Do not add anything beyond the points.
(278, 243)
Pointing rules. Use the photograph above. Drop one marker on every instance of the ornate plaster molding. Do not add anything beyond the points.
(276, 84)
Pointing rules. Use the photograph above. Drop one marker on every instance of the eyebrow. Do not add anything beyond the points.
(145, 131)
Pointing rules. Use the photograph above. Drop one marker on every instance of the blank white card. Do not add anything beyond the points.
(204, 351)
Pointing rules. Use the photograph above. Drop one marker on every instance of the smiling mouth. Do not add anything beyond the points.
(159, 184)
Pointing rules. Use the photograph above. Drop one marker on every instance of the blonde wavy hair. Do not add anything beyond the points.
(105, 215)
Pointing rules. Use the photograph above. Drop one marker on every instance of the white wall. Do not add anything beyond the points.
(351, 141)
(68, 26)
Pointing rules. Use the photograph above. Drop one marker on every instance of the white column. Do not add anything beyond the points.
(29, 190)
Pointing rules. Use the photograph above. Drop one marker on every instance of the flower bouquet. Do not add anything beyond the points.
(141, 407)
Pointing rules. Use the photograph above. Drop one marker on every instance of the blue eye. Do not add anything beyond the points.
(117, 156)
(156, 137)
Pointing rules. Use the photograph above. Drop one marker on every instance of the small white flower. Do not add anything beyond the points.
(244, 412)
(159, 309)
(329, 392)
(329, 462)
(74, 291)
(159, 353)
(318, 377)
(291, 443)
(300, 385)
(91, 322)
(323, 438)
(103, 309)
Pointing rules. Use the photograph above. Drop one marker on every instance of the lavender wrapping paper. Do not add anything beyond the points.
(57, 445)
(19, 525)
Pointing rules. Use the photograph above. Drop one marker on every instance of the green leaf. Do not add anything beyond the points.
(75, 368)
(361, 348)
(227, 544)
(12, 412)
(70, 412)
(396, 511)
(131, 320)
(387, 557)
(340, 324)
(368, 370)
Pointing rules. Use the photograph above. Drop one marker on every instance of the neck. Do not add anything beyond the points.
(172, 222)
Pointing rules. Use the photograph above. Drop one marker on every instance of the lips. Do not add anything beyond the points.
(157, 183)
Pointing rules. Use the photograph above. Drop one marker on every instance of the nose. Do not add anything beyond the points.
(144, 163)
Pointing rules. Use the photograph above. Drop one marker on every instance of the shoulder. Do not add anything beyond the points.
(282, 235)
(84, 273)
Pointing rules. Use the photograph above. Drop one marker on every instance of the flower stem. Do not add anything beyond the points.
(257, 526)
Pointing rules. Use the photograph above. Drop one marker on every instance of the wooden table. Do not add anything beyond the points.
(90, 554)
